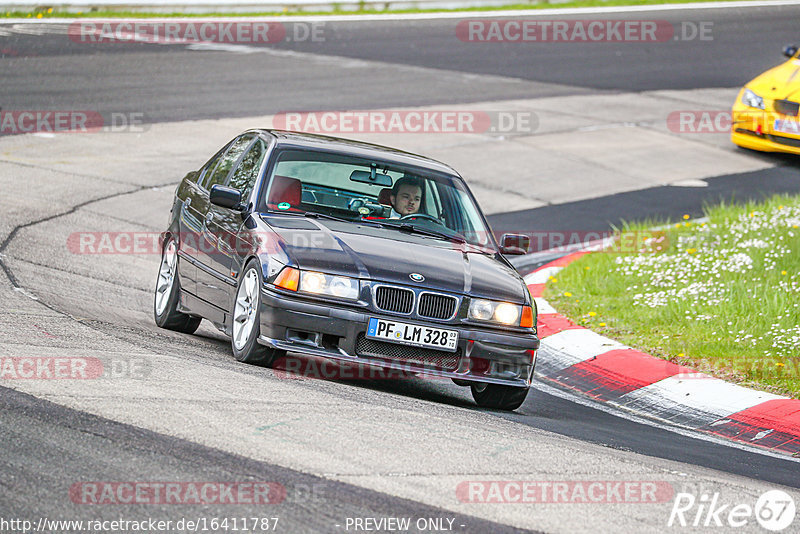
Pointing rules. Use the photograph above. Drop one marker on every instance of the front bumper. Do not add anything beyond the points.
(338, 333)
(755, 129)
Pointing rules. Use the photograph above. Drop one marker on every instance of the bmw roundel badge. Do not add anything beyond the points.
(416, 277)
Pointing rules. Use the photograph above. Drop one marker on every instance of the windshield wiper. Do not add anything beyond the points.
(317, 215)
(410, 228)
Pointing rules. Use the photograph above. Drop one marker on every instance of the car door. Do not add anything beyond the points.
(213, 256)
(190, 223)
(229, 224)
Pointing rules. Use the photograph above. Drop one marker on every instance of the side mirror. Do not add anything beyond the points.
(226, 197)
(514, 244)
(790, 50)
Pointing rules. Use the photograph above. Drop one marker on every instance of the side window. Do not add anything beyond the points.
(227, 162)
(453, 216)
(244, 177)
(209, 168)
(433, 203)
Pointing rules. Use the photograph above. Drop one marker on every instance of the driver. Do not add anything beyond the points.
(406, 196)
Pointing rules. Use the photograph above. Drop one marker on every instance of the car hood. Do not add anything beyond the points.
(781, 82)
(388, 255)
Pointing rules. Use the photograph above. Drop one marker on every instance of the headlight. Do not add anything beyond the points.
(506, 313)
(330, 285)
(496, 312)
(481, 310)
(749, 98)
(341, 287)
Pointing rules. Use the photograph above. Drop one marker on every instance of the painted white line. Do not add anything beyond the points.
(688, 183)
(222, 47)
(704, 398)
(622, 413)
(570, 347)
(430, 16)
(541, 276)
(543, 307)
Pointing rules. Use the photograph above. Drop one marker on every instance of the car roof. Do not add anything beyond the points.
(357, 148)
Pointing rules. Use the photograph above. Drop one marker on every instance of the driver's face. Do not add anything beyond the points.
(407, 199)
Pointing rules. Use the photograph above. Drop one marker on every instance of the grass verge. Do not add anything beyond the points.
(49, 12)
(721, 296)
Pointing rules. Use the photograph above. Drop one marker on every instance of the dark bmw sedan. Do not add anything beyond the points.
(349, 251)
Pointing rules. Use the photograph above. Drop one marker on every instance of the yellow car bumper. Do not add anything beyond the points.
(755, 129)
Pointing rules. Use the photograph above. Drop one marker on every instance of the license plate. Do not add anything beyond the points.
(789, 126)
(412, 334)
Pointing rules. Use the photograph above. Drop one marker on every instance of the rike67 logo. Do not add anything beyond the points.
(774, 510)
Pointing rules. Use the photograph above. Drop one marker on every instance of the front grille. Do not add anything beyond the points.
(394, 299)
(436, 306)
(439, 359)
(786, 107)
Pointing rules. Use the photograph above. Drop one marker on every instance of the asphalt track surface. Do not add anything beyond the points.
(656, 204)
(47, 447)
(404, 63)
(96, 449)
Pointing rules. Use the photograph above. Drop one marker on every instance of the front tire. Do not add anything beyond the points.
(498, 397)
(168, 292)
(246, 320)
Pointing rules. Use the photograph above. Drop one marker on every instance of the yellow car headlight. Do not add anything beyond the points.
(750, 99)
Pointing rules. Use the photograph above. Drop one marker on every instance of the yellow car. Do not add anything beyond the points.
(765, 114)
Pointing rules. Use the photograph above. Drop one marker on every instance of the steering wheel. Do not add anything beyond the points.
(411, 216)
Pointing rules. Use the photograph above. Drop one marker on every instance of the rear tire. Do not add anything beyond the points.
(246, 320)
(168, 293)
(498, 397)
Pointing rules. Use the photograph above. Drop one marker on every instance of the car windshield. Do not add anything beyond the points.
(380, 192)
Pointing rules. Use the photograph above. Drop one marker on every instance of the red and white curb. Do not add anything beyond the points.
(608, 371)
